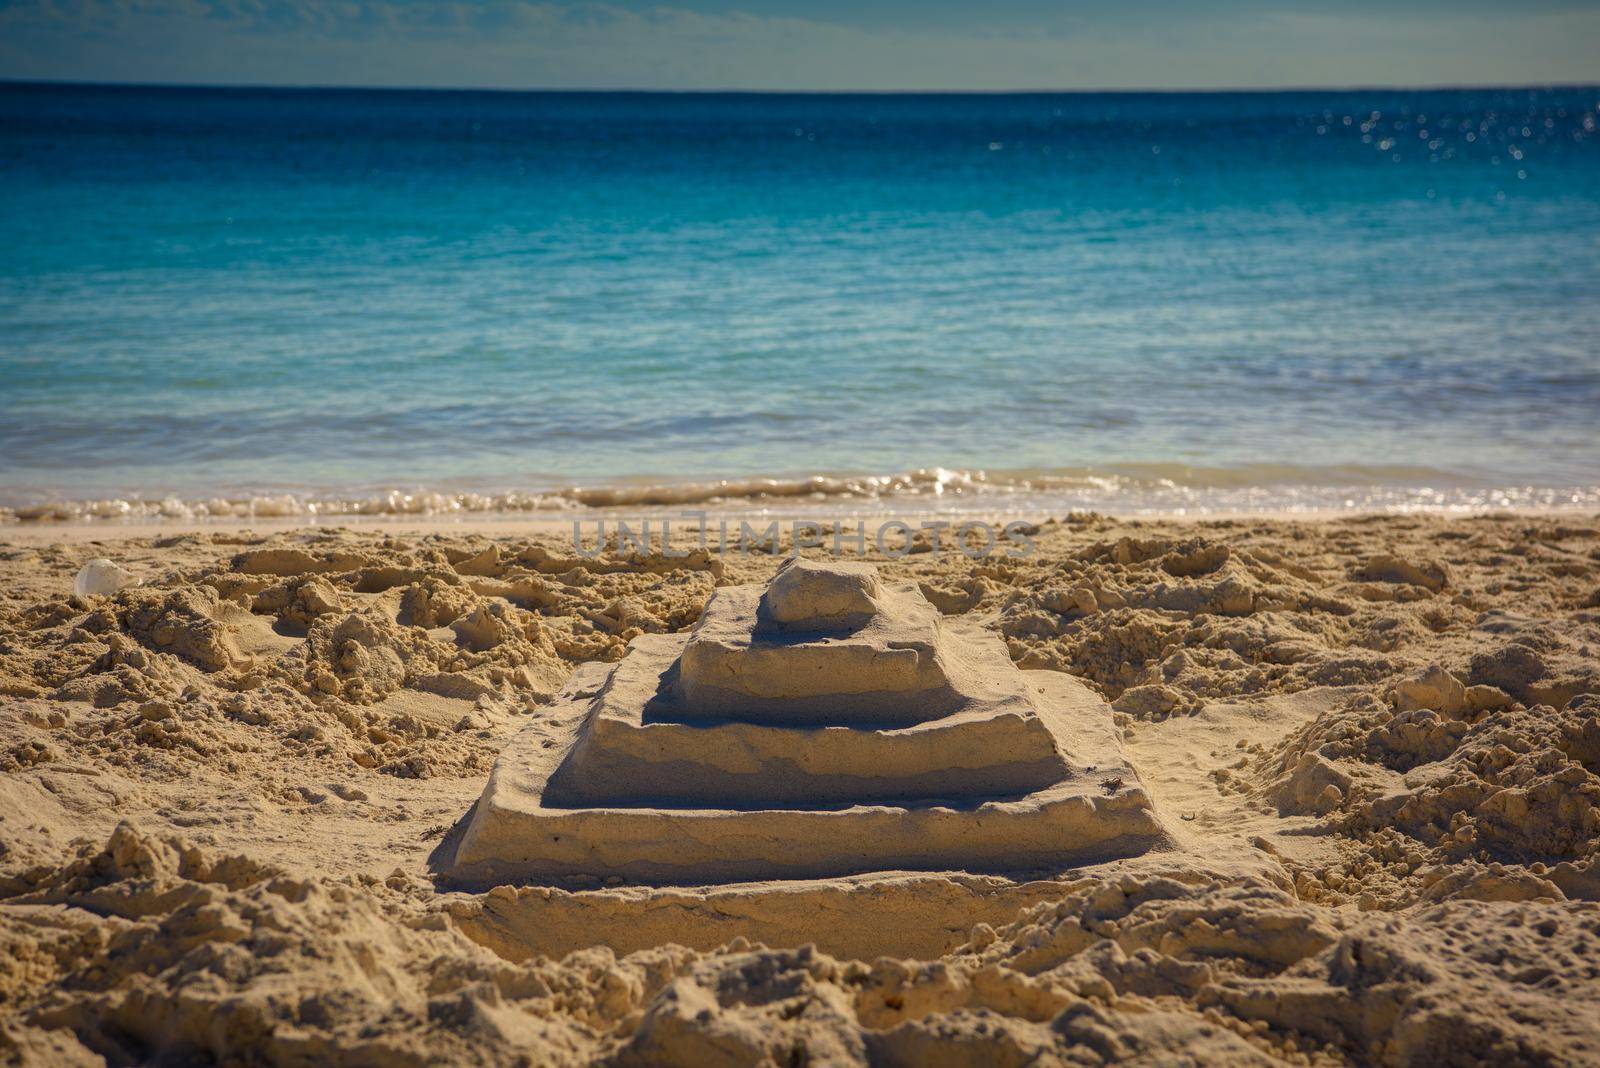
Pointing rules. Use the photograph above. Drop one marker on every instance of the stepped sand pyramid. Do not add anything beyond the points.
(827, 724)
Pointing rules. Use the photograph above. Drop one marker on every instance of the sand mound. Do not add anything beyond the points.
(823, 724)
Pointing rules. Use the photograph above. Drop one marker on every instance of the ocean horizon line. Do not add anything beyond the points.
(1150, 91)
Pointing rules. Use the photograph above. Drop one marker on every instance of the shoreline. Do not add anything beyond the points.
(73, 532)
(1153, 490)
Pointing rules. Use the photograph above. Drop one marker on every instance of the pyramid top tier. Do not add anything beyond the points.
(820, 597)
(825, 644)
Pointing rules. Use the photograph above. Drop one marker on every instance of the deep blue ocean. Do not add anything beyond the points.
(1255, 300)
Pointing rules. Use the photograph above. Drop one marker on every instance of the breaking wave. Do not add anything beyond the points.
(1151, 489)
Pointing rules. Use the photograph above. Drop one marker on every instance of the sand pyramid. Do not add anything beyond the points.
(826, 724)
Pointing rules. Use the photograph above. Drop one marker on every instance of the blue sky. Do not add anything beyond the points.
(822, 44)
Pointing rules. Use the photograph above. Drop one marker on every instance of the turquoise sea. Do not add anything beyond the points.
(268, 300)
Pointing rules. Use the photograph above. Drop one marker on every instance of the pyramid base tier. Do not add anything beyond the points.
(898, 914)
(512, 837)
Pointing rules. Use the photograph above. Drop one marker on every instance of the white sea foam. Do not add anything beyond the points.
(1145, 490)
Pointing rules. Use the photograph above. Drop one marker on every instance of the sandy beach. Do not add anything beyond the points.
(1372, 742)
(728, 535)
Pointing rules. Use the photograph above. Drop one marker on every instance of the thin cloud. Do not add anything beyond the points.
(514, 44)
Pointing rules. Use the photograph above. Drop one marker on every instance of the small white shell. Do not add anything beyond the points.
(101, 578)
